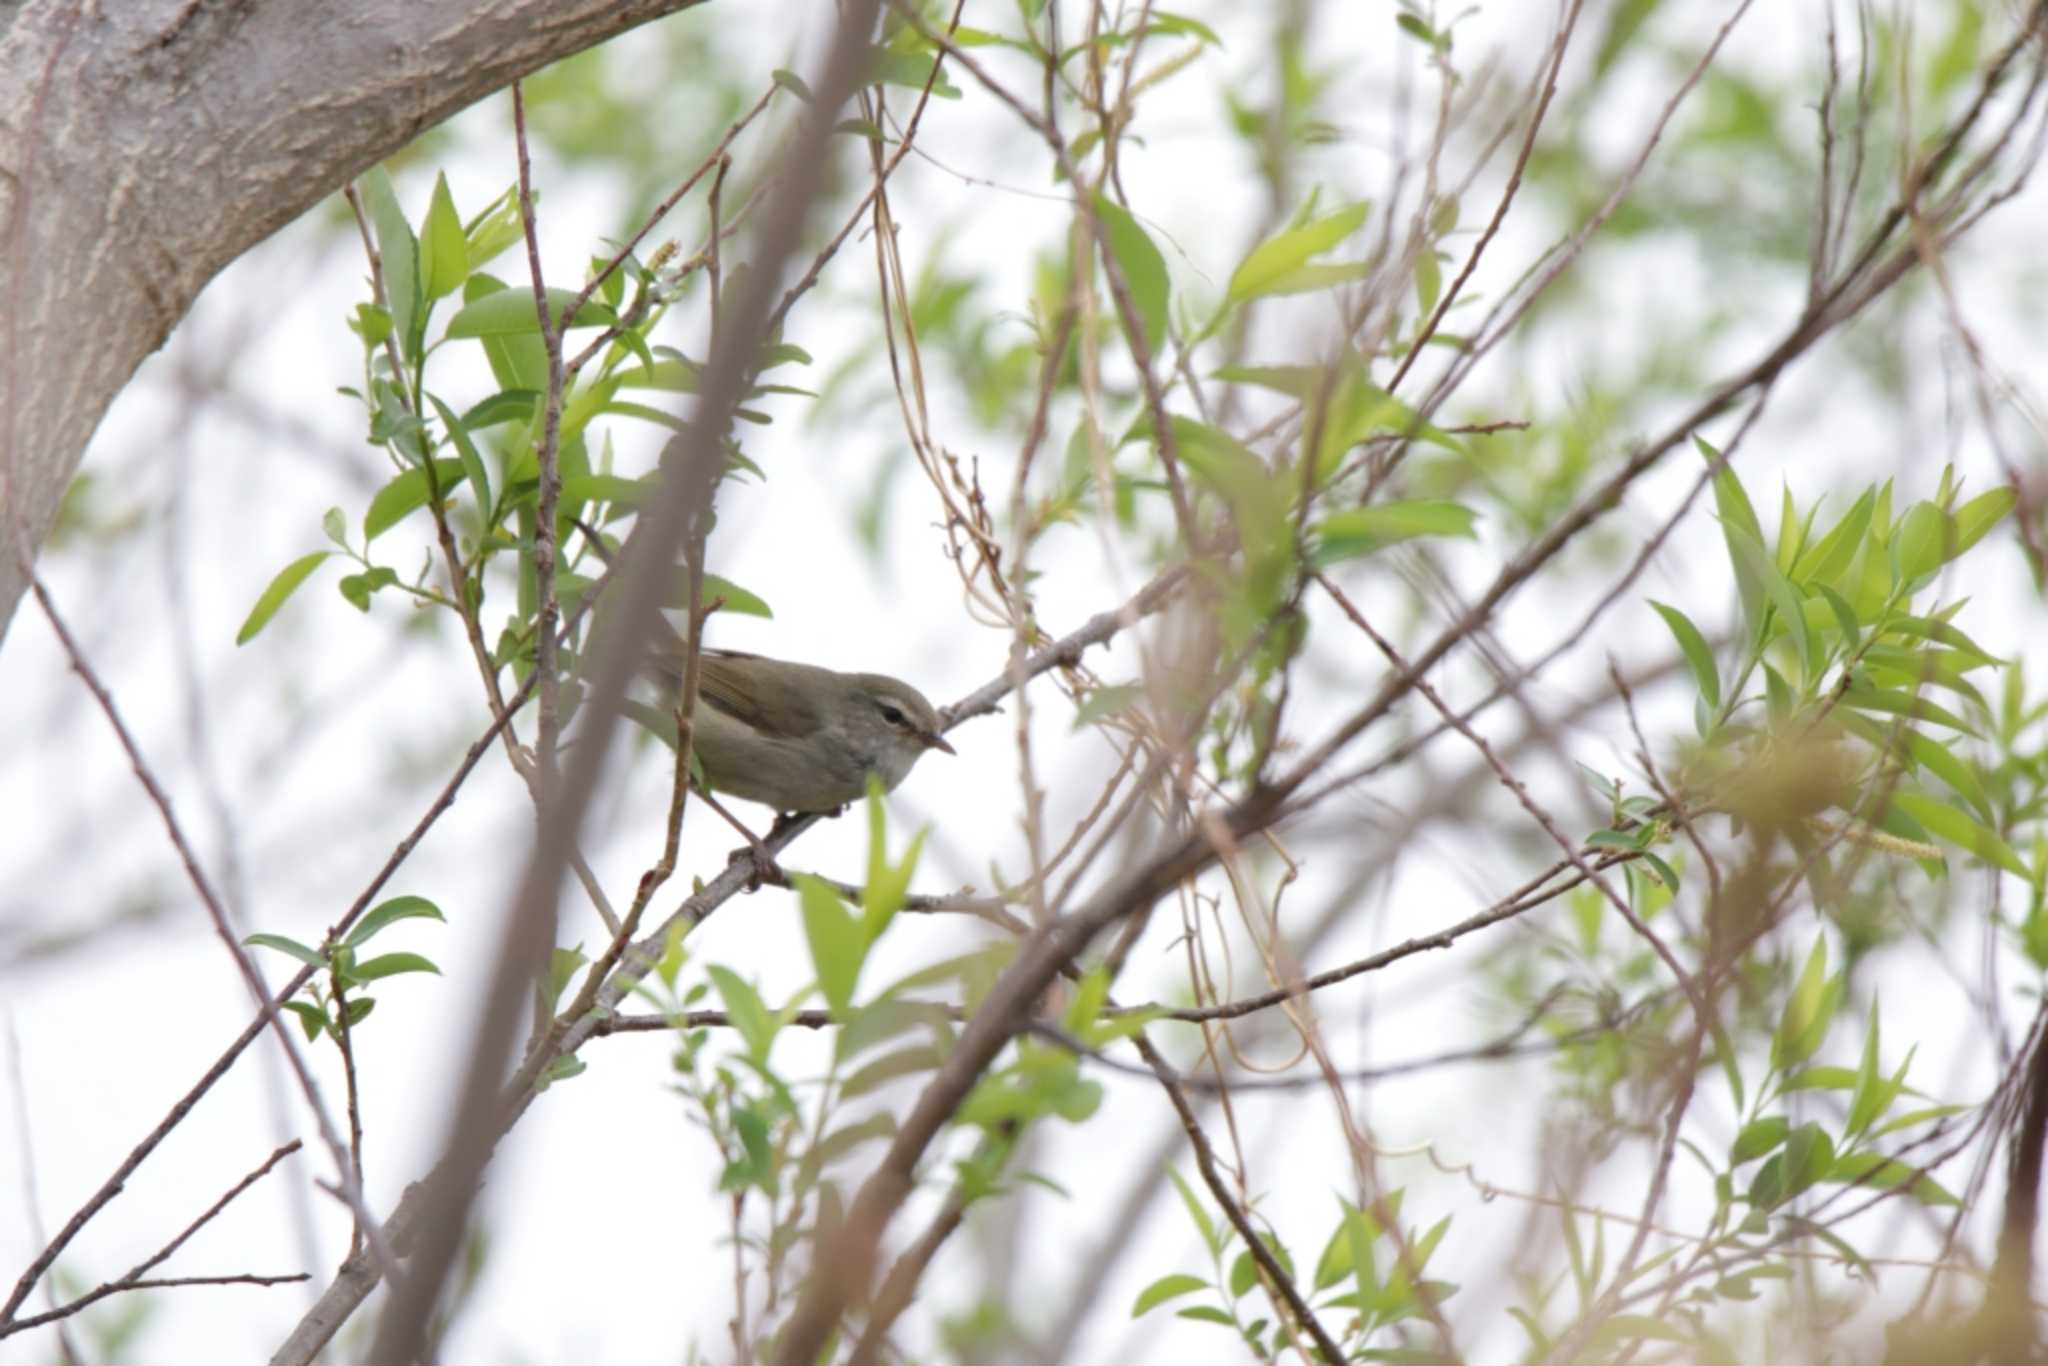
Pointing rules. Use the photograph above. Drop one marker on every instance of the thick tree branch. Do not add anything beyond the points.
(182, 136)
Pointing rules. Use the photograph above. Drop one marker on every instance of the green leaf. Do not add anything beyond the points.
(736, 598)
(511, 313)
(496, 228)
(1429, 282)
(908, 1061)
(1618, 1329)
(1164, 1289)
(1352, 532)
(1316, 277)
(406, 494)
(390, 912)
(1914, 1117)
(1894, 702)
(1943, 763)
(1697, 654)
(472, 460)
(1805, 1021)
(563, 965)
(312, 1019)
(1736, 514)
(1109, 700)
(1361, 1231)
(1791, 535)
(615, 489)
(1089, 995)
(1141, 266)
(1824, 560)
(1753, 561)
(1979, 515)
(1210, 1237)
(887, 1018)
(1258, 501)
(1757, 1137)
(1272, 261)
(1821, 1079)
(1180, 26)
(1845, 615)
(1945, 633)
(1808, 1155)
(793, 83)
(357, 588)
(838, 945)
(1919, 543)
(911, 70)
(1335, 1263)
(1953, 826)
(1204, 1313)
(1875, 1092)
(1879, 1172)
(866, 128)
(1356, 408)
(1244, 1274)
(273, 596)
(305, 953)
(389, 965)
(756, 1025)
(887, 884)
(1244, 1270)
(444, 248)
(398, 255)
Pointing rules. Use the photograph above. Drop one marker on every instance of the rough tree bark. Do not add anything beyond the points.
(144, 144)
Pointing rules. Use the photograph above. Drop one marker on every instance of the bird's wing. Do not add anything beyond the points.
(768, 701)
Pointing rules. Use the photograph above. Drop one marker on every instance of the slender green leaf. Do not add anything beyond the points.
(312, 1019)
(1698, 656)
(756, 1025)
(1896, 702)
(1751, 558)
(1980, 514)
(1211, 1238)
(274, 594)
(1142, 267)
(1824, 560)
(1351, 532)
(838, 946)
(305, 953)
(733, 598)
(389, 965)
(398, 257)
(1277, 257)
(1164, 1289)
(1804, 1023)
(444, 248)
(511, 313)
(1951, 824)
(389, 912)
(1758, 1137)
(1738, 516)
(472, 459)
(1919, 543)
(406, 494)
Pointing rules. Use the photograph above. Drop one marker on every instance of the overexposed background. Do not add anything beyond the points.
(298, 761)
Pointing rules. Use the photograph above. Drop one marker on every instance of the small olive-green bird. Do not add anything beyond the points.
(796, 737)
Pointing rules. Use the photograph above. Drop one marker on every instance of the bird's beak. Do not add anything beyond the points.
(934, 740)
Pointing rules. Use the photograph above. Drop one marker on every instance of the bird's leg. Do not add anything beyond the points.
(765, 869)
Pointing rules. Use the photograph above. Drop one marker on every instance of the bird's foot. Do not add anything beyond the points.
(762, 869)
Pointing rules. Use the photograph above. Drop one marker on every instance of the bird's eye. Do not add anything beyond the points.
(892, 714)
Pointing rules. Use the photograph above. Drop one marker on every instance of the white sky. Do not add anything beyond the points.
(604, 1236)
